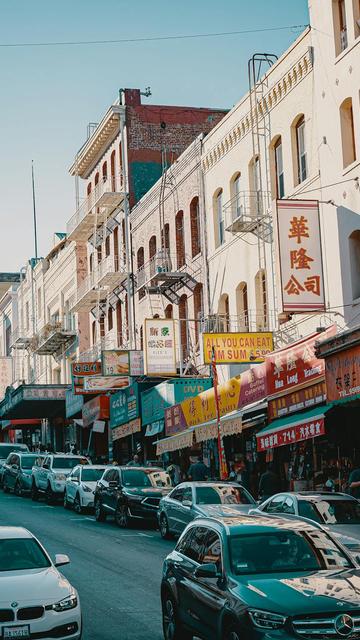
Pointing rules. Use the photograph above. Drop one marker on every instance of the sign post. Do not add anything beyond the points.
(221, 450)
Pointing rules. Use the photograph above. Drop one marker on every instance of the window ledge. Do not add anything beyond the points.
(344, 53)
(350, 167)
(355, 302)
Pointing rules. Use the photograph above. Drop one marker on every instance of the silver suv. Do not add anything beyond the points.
(50, 478)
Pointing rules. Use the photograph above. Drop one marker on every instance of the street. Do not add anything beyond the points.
(116, 572)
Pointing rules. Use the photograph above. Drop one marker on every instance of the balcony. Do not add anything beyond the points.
(109, 271)
(162, 276)
(99, 205)
(250, 320)
(108, 274)
(19, 339)
(250, 212)
(112, 340)
(55, 336)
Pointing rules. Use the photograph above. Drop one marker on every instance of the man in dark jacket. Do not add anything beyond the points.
(269, 483)
(198, 471)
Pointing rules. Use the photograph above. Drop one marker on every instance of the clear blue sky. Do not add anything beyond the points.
(48, 95)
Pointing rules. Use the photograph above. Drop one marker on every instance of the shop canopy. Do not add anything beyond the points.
(34, 401)
(20, 424)
(295, 428)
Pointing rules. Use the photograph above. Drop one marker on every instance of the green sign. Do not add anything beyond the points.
(154, 401)
(124, 406)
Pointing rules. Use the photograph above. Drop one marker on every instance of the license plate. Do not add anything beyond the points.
(16, 632)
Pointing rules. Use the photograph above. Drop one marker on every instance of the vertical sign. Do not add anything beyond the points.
(5, 375)
(301, 268)
(159, 347)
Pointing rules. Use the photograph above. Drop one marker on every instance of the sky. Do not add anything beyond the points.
(50, 94)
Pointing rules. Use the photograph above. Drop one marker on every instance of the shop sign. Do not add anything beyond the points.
(154, 401)
(342, 371)
(301, 399)
(99, 426)
(96, 384)
(236, 348)
(117, 362)
(95, 409)
(6, 370)
(124, 406)
(126, 429)
(154, 428)
(44, 393)
(82, 370)
(159, 342)
(234, 394)
(301, 268)
(295, 365)
(73, 403)
(292, 434)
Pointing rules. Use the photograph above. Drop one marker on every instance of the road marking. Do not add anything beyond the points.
(146, 535)
(78, 519)
(43, 506)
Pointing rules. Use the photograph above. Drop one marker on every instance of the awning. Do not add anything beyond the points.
(126, 429)
(20, 424)
(230, 424)
(34, 401)
(295, 428)
(174, 443)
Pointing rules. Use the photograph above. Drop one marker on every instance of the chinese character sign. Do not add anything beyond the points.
(301, 268)
(291, 434)
(342, 374)
(159, 347)
(5, 375)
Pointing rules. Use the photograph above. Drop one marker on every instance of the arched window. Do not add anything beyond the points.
(347, 132)
(235, 194)
(93, 331)
(165, 236)
(195, 227)
(183, 314)
(119, 327)
(279, 168)
(255, 196)
(91, 262)
(141, 273)
(169, 311)
(102, 326)
(96, 181)
(354, 251)
(198, 309)
(107, 246)
(180, 240)
(340, 26)
(219, 226)
(152, 254)
(224, 313)
(104, 171)
(116, 247)
(261, 300)
(88, 188)
(110, 319)
(113, 171)
(242, 308)
(299, 149)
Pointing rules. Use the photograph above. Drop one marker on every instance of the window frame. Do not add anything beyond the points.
(220, 218)
(301, 154)
(279, 164)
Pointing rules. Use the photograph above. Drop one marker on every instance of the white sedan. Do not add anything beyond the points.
(36, 600)
(80, 486)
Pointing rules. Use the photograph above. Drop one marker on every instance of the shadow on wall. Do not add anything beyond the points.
(348, 223)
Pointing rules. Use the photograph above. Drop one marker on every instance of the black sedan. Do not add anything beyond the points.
(190, 500)
(259, 578)
(130, 493)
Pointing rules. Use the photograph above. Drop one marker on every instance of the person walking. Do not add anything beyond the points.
(135, 462)
(354, 480)
(242, 475)
(269, 483)
(198, 471)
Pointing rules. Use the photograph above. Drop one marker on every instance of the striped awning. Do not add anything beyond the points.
(176, 442)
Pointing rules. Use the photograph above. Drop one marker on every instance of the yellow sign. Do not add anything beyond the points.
(202, 408)
(237, 348)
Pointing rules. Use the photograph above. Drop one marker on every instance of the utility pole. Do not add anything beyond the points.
(32, 266)
(221, 449)
(34, 210)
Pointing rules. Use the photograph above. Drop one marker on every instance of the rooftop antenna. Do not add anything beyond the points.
(34, 210)
(147, 93)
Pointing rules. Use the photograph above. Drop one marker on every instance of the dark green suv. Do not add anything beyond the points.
(252, 578)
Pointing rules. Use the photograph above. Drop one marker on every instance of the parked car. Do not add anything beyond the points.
(80, 486)
(258, 578)
(17, 475)
(339, 513)
(190, 500)
(49, 479)
(5, 449)
(36, 600)
(130, 493)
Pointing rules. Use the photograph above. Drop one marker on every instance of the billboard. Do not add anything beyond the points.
(124, 406)
(159, 347)
(237, 348)
(117, 362)
(82, 370)
(342, 374)
(96, 384)
(300, 257)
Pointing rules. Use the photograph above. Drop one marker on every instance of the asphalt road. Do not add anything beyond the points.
(117, 572)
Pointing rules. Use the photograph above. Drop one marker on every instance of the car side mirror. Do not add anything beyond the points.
(208, 570)
(113, 484)
(186, 503)
(61, 559)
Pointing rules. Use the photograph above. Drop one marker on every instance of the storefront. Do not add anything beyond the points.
(95, 417)
(77, 437)
(125, 423)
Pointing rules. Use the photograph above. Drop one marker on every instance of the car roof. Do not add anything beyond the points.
(315, 496)
(249, 524)
(66, 455)
(206, 483)
(146, 469)
(94, 466)
(14, 532)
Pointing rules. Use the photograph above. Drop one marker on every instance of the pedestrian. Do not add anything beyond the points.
(269, 483)
(174, 472)
(198, 470)
(354, 479)
(242, 475)
(232, 475)
(135, 462)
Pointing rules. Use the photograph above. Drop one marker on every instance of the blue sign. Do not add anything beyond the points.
(154, 401)
(124, 406)
(73, 403)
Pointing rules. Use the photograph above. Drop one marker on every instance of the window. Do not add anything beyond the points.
(20, 554)
(222, 494)
(356, 14)
(91, 475)
(236, 197)
(261, 300)
(112, 475)
(67, 462)
(91, 262)
(289, 505)
(104, 171)
(88, 189)
(212, 550)
(242, 308)
(110, 319)
(135, 478)
(177, 494)
(113, 171)
(165, 236)
(198, 308)
(187, 494)
(119, 326)
(330, 511)
(27, 462)
(183, 546)
(224, 313)
(107, 246)
(347, 132)
(219, 218)
(279, 169)
(141, 271)
(354, 254)
(180, 240)
(194, 548)
(183, 326)
(102, 326)
(275, 505)
(152, 254)
(195, 227)
(340, 26)
(301, 149)
(169, 311)
(76, 473)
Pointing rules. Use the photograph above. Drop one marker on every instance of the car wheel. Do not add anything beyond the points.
(172, 628)
(77, 504)
(100, 516)
(66, 501)
(164, 528)
(18, 489)
(122, 517)
(232, 632)
(34, 492)
(49, 495)
(5, 487)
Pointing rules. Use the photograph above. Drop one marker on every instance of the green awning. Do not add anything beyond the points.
(296, 418)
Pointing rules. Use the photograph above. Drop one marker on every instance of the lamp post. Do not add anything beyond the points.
(221, 449)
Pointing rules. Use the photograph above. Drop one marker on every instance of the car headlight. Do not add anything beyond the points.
(266, 619)
(60, 476)
(86, 488)
(67, 603)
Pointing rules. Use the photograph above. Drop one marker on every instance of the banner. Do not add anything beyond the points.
(291, 434)
(300, 257)
(159, 347)
(342, 371)
(73, 403)
(293, 402)
(95, 409)
(96, 384)
(117, 362)
(126, 429)
(80, 371)
(237, 348)
(296, 365)
(6, 371)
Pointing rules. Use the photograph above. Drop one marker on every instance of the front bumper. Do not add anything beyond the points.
(63, 626)
(87, 500)
(142, 511)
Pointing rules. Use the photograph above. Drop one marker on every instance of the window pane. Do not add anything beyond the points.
(195, 551)
(212, 550)
(21, 553)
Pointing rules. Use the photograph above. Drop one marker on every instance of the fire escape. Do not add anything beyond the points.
(160, 276)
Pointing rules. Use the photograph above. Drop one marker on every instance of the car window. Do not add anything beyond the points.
(275, 505)
(109, 475)
(76, 473)
(212, 550)
(184, 542)
(67, 462)
(39, 462)
(195, 549)
(307, 510)
(187, 494)
(6, 449)
(222, 494)
(135, 478)
(27, 462)
(91, 475)
(47, 463)
(330, 511)
(288, 505)
(18, 554)
(177, 494)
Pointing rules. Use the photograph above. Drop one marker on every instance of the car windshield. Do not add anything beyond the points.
(160, 479)
(28, 461)
(222, 494)
(68, 463)
(135, 478)
(91, 475)
(18, 554)
(5, 450)
(328, 511)
(284, 551)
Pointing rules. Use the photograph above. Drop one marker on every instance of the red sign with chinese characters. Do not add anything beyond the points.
(343, 374)
(96, 409)
(301, 267)
(296, 401)
(290, 435)
(295, 366)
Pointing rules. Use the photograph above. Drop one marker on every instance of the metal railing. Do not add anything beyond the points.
(247, 204)
(112, 340)
(110, 184)
(20, 337)
(251, 320)
(110, 264)
(163, 262)
(66, 324)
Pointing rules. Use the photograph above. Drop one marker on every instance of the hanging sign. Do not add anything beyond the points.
(82, 370)
(343, 374)
(159, 347)
(301, 268)
(237, 348)
(117, 362)
(291, 434)
(97, 384)
(95, 409)
(296, 401)
(6, 370)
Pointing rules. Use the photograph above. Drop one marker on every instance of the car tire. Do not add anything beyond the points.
(164, 528)
(100, 516)
(122, 517)
(67, 504)
(49, 495)
(172, 628)
(34, 492)
(232, 632)
(5, 487)
(77, 504)
(17, 489)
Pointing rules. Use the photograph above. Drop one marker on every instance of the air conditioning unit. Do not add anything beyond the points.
(343, 40)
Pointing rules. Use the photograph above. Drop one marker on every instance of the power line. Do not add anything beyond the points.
(219, 34)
